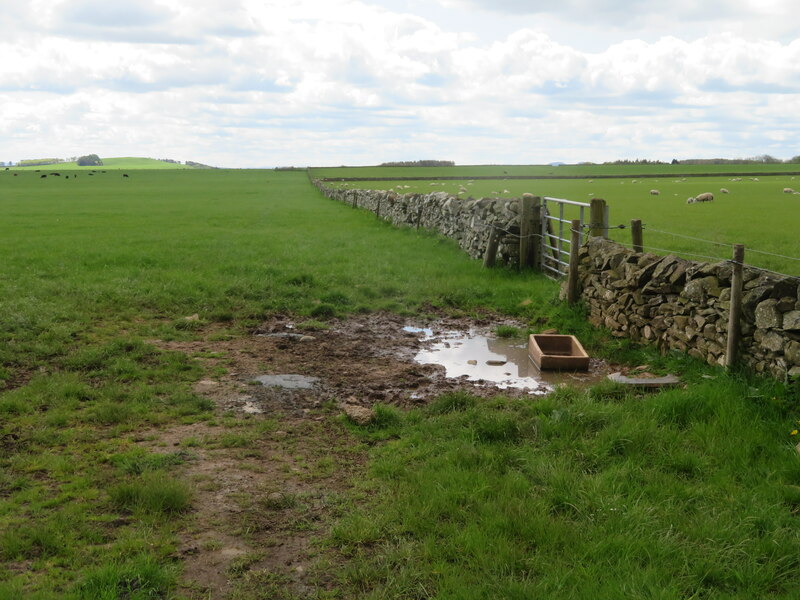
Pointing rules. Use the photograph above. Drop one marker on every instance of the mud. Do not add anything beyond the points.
(259, 506)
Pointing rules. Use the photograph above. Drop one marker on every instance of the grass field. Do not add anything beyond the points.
(754, 213)
(691, 493)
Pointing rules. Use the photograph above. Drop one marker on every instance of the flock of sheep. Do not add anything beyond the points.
(709, 197)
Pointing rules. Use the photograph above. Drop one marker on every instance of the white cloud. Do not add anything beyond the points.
(248, 82)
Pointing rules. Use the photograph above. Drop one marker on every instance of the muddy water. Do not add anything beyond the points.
(488, 360)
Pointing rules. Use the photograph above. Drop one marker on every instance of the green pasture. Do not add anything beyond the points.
(108, 163)
(756, 213)
(688, 493)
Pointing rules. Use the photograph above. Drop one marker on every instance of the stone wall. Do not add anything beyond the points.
(466, 220)
(684, 305)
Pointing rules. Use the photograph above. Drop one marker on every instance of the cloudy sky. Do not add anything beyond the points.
(261, 83)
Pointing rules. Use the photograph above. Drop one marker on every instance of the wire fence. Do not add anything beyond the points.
(709, 256)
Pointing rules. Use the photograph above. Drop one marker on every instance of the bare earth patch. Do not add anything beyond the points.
(272, 471)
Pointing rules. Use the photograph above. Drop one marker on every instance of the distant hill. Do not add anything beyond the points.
(130, 163)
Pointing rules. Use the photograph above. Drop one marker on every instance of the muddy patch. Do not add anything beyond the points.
(273, 467)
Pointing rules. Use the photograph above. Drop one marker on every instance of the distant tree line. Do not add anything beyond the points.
(169, 160)
(419, 163)
(197, 165)
(90, 160)
(763, 159)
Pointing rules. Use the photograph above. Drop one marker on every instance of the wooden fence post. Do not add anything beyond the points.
(491, 247)
(597, 216)
(378, 209)
(419, 215)
(574, 247)
(735, 312)
(636, 235)
(525, 227)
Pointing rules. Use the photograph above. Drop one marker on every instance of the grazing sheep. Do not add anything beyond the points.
(506, 192)
(788, 191)
(723, 191)
(654, 192)
(705, 197)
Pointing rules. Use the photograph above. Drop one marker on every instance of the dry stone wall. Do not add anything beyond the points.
(469, 221)
(683, 305)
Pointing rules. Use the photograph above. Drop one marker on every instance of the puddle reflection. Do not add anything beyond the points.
(501, 362)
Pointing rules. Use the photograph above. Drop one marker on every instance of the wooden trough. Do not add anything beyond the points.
(554, 352)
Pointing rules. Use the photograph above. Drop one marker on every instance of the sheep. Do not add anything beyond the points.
(723, 191)
(788, 191)
(654, 192)
(705, 197)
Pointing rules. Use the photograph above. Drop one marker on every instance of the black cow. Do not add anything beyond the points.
(43, 176)
(124, 174)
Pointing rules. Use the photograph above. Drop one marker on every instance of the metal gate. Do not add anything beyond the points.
(557, 216)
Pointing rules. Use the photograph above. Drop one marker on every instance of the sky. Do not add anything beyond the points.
(264, 83)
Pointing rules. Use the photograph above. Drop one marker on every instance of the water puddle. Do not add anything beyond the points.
(488, 360)
(289, 382)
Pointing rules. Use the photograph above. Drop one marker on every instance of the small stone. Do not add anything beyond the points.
(496, 363)
(767, 315)
(194, 317)
(472, 362)
(307, 338)
(360, 415)
(791, 321)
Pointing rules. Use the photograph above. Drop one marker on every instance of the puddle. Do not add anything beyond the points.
(489, 360)
(289, 382)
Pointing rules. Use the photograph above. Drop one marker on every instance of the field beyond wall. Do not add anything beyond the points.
(755, 211)
(140, 457)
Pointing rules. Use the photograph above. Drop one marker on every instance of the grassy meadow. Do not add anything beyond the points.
(601, 493)
(754, 213)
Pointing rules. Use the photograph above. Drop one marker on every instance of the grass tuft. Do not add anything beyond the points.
(152, 494)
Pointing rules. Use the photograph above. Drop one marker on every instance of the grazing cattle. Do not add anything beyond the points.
(91, 174)
(788, 191)
(124, 174)
(723, 190)
(56, 174)
(67, 176)
(654, 192)
(43, 176)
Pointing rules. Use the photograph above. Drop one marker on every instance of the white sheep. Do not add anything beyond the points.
(788, 191)
(654, 192)
(705, 197)
(723, 191)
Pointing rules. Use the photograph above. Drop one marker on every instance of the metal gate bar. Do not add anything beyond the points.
(556, 247)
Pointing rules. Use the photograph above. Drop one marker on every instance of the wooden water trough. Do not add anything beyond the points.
(554, 352)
